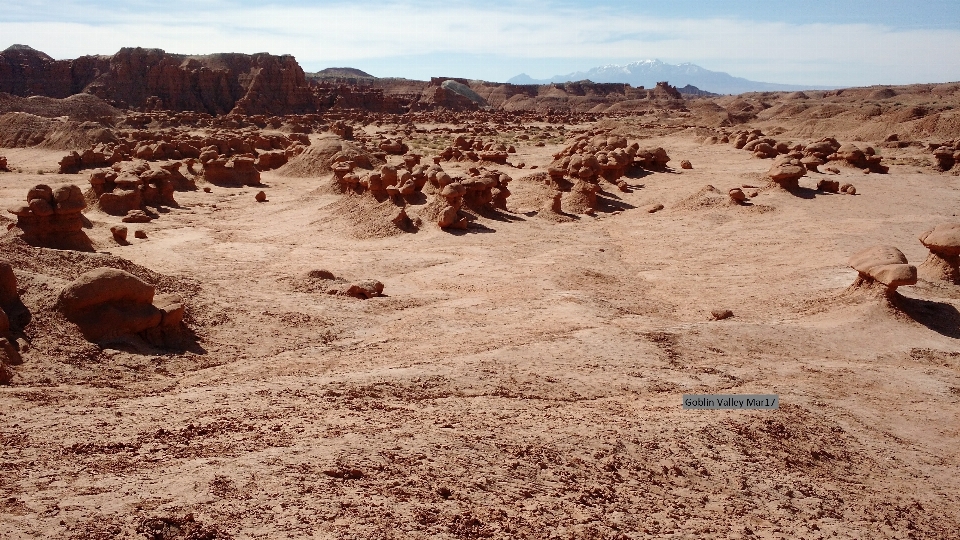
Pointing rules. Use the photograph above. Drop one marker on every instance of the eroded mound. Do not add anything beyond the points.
(19, 130)
(319, 159)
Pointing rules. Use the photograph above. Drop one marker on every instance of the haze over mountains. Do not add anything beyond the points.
(647, 73)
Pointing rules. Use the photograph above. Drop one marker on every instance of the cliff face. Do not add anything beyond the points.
(265, 84)
(154, 79)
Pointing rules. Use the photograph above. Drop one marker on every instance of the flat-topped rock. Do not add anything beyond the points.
(884, 264)
(944, 238)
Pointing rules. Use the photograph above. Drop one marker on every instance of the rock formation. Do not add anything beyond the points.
(231, 171)
(135, 77)
(452, 197)
(325, 281)
(475, 149)
(52, 218)
(787, 173)
(107, 303)
(132, 187)
(947, 154)
(865, 159)
(943, 241)
(882, 269)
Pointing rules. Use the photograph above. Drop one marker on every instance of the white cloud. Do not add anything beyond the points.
(840, 54)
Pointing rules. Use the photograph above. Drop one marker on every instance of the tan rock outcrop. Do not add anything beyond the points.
(943, 262)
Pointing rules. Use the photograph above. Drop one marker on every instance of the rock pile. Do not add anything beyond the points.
(98, 156)
(811, 155)
(230, 171)
(107, 303)
(834, 186)
(328, 283)
(268, 150)
(476, 149)
(865, 159)
(606, 156)
(52, 218)
(131, 187)
(882, 269)
(943, 241)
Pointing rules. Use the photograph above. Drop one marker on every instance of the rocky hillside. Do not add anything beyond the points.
(154, 79)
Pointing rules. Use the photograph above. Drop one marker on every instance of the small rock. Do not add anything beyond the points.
(136, 216)
(622, 186)
(851, 190)
(737, 195)
(365, 289)
(654, 208)
(119, 233)
(832, 170)
(261, 197)
(139, 233)
(206, 190)
(828, 185)
(720, 314)
(685, 164)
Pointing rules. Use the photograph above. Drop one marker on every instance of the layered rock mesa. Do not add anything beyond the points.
(265, 84)
(154, 79)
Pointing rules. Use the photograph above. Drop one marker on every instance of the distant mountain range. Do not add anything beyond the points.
(647, 73)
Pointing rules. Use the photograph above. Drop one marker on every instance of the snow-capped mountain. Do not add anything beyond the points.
(647, 73)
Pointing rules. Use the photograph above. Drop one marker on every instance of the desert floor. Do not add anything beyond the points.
(521, 379)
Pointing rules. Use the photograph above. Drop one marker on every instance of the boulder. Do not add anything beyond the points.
(832, 186)
(119, 233)
(107, 303)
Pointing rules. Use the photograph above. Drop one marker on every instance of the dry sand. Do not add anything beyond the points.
(521, 379)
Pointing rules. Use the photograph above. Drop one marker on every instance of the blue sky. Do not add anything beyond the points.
(843, 43)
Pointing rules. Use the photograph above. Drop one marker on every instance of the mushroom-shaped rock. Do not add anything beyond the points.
(882, 265)
(452, 195)
(107, 303)
(811, 163)
(943, 241)
(787, 173)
